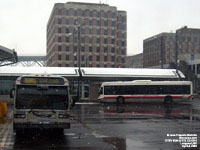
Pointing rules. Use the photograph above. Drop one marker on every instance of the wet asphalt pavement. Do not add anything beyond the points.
(130, 126)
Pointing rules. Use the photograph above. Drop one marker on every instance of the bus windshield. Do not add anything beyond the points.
(41, 97)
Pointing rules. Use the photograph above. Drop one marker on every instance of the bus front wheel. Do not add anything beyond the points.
(168, 100)
(120, 100)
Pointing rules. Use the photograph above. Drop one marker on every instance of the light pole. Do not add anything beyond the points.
(176, 50)
(79, 60)
(161, 51)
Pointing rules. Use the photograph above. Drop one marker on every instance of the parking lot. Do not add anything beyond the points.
(110, 126)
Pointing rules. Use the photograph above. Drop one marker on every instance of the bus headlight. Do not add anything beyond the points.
(63, 116)
(20, 115)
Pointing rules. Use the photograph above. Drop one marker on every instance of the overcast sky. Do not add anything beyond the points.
(23, 22)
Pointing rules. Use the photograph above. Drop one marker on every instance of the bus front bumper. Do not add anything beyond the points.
(41, 126)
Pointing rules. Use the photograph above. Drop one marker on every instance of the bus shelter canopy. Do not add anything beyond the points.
(7, 56)
(131, 73)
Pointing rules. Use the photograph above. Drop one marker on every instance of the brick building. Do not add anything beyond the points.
(102, 39)
(135, 61)
(158, 50)
(188, 44)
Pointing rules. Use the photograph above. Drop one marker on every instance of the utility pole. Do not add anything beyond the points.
(79, 60)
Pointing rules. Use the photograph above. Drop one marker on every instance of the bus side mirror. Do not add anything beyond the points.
(12, 93)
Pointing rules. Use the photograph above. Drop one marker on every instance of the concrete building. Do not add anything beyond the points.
(188, 44)
(159, 50)
(97, 31)
(135, 61)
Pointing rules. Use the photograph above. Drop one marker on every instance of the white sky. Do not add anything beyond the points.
(23, 22)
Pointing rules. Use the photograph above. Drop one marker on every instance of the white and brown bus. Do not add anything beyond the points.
(41, 101)
(146, 91)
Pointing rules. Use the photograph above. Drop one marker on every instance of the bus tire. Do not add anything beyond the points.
(168, 100)
(120, 100)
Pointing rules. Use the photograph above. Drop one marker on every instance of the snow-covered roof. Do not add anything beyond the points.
(130, 72)
(93, 72)
(18, 71)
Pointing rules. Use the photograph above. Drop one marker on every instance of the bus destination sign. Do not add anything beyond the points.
(42, 80)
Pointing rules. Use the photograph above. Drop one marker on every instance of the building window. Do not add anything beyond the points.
(90, 40)
(98, 31)
(60, 12)
(67, 21)
(97, 58)
(59, 30)
(67, 12)
(82, 30)
(98, 65)
(123, 26)
(98, 14)
(91, 13)
(59, 57)
(67, 57)
(83, 13)
(59, 65)
(98, 49)
(105, 58)
(75, 58)
(113, 41)
(105, 15)
(90, 58)
(112, 50)
(67, 48)
(82, 40)
(98, 40)
(105, 50)
(123, 18)
(75, 49)
(105, 66)
(113, 23)
(105, 23)
(123, 60)
(98, 23)
(67, 30)
(90, 22)
(59, 20)
(75, 22)
(123, 43)
(123, 52)
(113, 14)
(67, 65)
(67, 39)
(59, 39)
(113, 58)
(90, 49)
(90, 31)
(83, 49)
(113, 32)
(105, 32)
(59, 47)
(105, 41)
(75, 13)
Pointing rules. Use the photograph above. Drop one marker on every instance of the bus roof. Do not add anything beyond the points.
(146, 82)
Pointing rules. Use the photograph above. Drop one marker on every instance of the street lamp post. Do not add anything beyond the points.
(176, 50)
(161, 51)
(79, 60)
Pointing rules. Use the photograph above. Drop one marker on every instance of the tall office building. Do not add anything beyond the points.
(97, 31)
